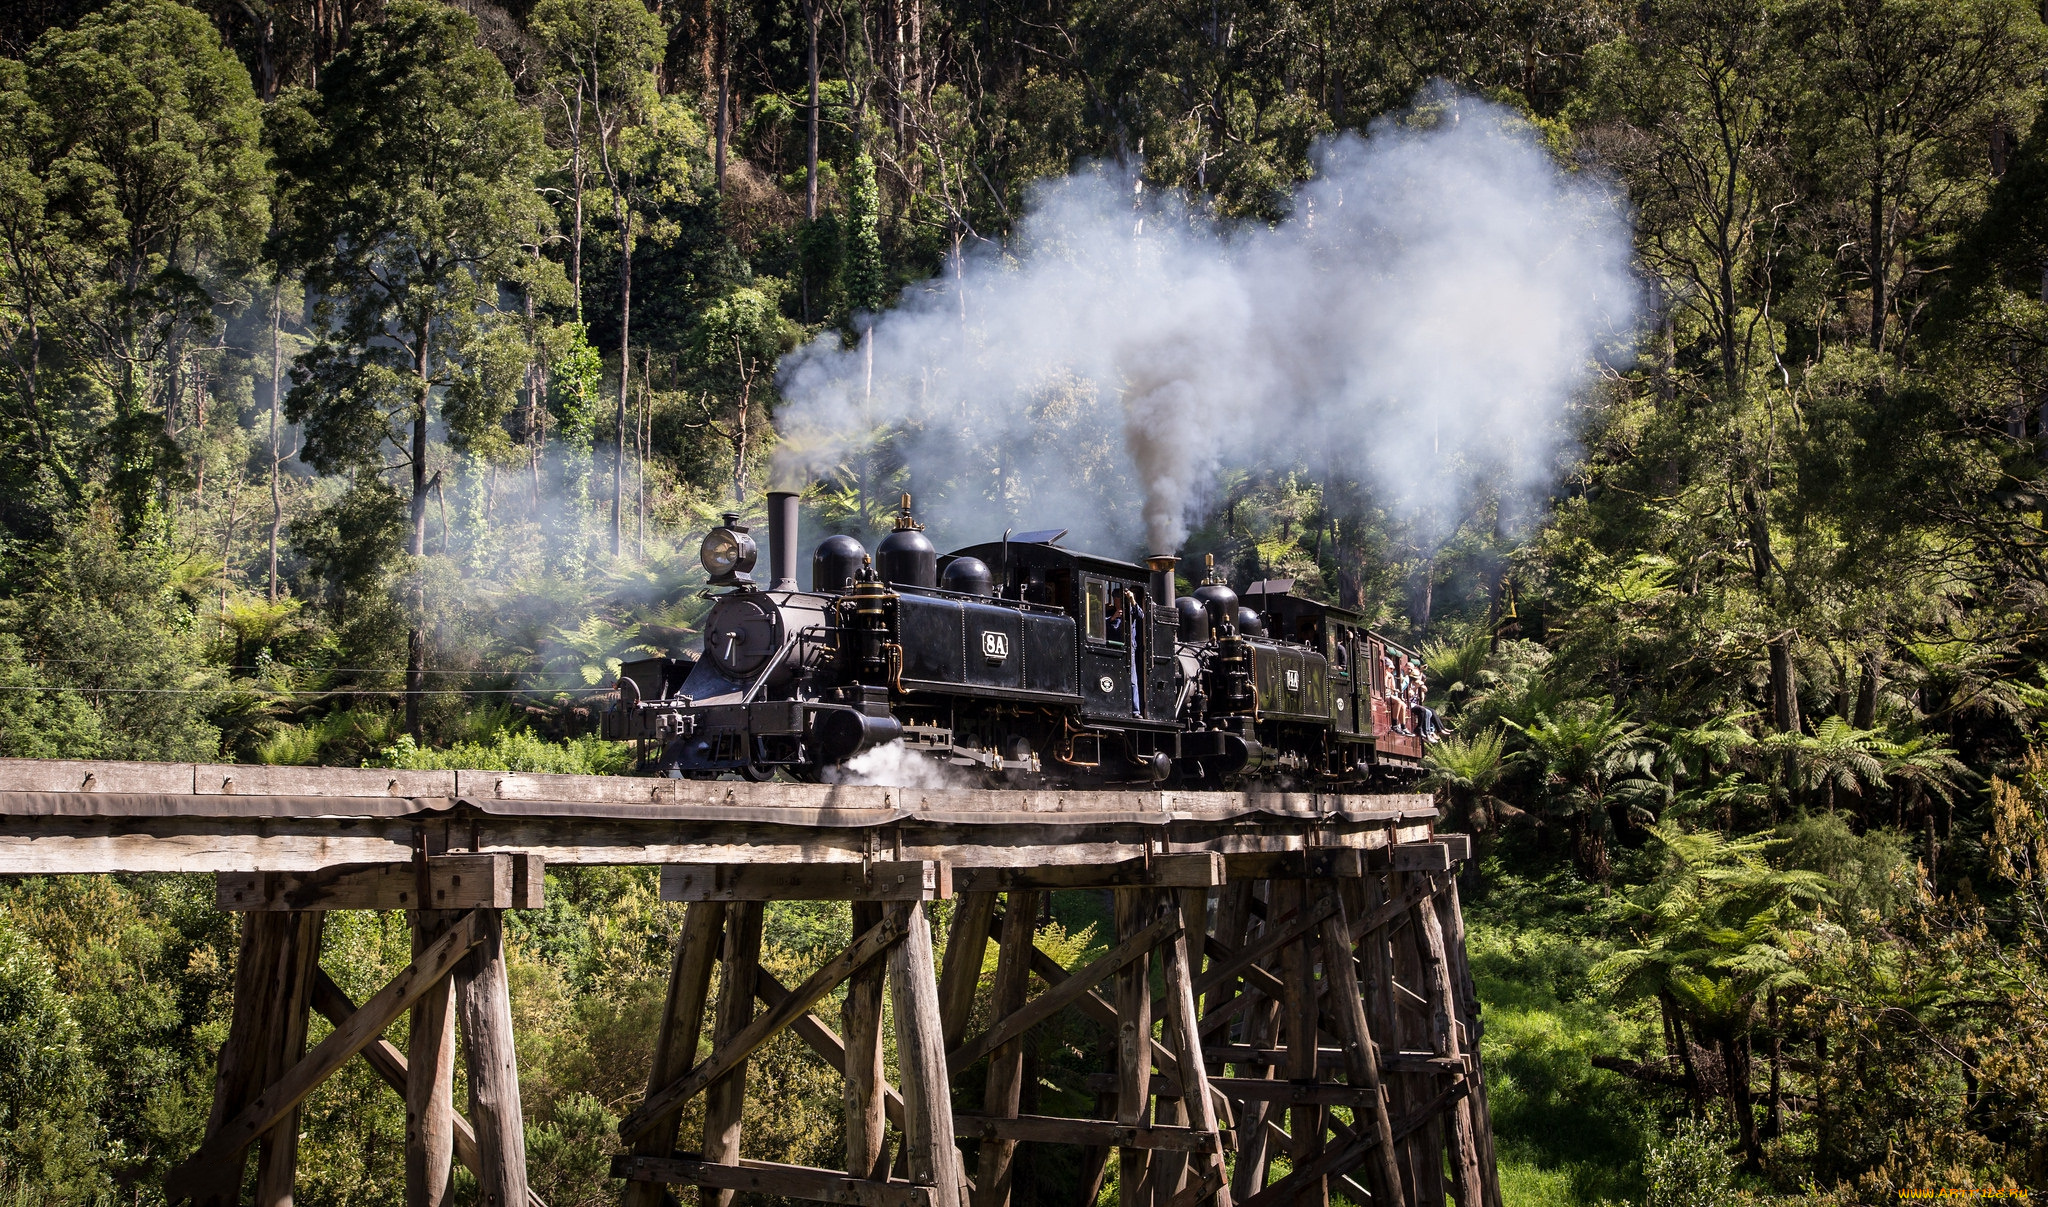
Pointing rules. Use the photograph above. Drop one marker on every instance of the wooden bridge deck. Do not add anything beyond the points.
(69, 817)
(1317, 1035)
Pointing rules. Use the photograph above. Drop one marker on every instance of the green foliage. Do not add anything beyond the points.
(1691, 1168)
(514, 750)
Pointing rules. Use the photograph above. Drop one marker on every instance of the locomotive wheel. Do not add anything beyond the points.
(754, 774)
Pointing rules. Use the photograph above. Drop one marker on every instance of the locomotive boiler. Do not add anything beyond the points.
(1017, 661)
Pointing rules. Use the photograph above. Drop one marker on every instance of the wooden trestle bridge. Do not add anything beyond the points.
(1287, 987)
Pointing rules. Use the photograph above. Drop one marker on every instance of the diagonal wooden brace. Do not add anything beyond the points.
(870, 946)
(332, 1002)
(363, 1027)
(1064, 994)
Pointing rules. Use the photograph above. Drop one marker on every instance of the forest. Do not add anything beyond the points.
(369, 370)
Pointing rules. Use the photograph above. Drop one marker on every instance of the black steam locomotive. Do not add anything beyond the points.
(1019, 661)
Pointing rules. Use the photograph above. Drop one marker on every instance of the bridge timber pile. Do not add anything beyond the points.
(1290, 1013)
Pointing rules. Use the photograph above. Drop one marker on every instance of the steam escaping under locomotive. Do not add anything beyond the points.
(1019, 662)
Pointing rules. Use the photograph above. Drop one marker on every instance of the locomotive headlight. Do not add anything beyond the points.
(728, 553)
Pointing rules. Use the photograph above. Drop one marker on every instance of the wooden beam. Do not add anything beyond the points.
(1346, 1156)
(928, 1142)
(865, 1082)
(1047, 1129)
(1200, 870)
(1231, 964)
(1288, 1093)
(966, 946)
(768, 1178)
(914, 880)
(243, 1065)
(332, 1003)
(1183, 1031)
(1361, 1057)
(1420, 857)
(430, 968)
(1059, 996)
(430, 1071)
(483, 1001)
(867, 947)
(1395, 909)
(1315, 863)
(725, 1096)
(682, 1023)
(1003, 1088)
(1092, 1004)
(454, 882)
(278, 1161)
(37, 839)
(1460, 846)
(1137, 919)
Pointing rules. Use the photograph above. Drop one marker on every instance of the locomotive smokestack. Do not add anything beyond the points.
(782, 540)
(1161, 565)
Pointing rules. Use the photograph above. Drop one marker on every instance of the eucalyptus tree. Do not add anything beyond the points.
(410, 179)
(133, 187)
(603, 55)
(1897, 93)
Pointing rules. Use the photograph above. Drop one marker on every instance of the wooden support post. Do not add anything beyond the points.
(388, 1062)
(966, 945)
(1261, 1026)
(921, 1056)
(241, 1069)
(225, 1143)
(1424, 1148)
(1184, 1034)
(726, 1098)
(682, 1022)
(1134, 1047)
(861, 1019)
(483, 999)
(1361, 1058)
(430, 1077)
(1305, 1120)
(1465, 1181)
(298, 962)
(1005, 1081)
(1467, 998)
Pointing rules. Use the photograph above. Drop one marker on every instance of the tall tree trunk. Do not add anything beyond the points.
(416, 639)
(1774, 1124)
(1879, 262)
(1735, 1054)
(1866, 690)
(811, 149)
(1784, 684)
(276, 368)
(576, 185)
(625, 366)
(724, 106)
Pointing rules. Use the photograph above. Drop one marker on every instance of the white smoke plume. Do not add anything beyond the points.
(1420, 321)
(895, 765)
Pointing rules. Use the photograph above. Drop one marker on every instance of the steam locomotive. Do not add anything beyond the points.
(1018, 662)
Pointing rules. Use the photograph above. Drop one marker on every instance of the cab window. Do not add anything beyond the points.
(1095, 609)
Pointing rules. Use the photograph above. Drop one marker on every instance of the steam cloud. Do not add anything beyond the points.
(1420, 322)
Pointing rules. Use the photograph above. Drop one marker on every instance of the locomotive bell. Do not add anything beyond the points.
(836, 563)
(968, 576)
(728, 553)
(906, 556)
